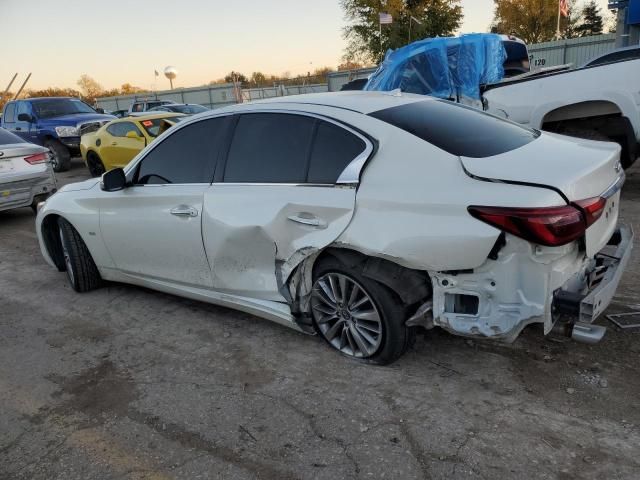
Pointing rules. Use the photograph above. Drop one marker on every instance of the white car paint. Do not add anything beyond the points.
(530, 99)
(247, 249)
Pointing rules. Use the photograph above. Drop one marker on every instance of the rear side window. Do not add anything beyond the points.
(7, 138)
(333, 149)
(269, 148)
(9, 113)
(616, 57)
(187, 156)
(457, 129)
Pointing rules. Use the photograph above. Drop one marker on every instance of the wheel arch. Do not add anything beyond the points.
(581, 110)
(51, 240)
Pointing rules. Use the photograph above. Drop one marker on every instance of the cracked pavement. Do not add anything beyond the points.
(127, 383)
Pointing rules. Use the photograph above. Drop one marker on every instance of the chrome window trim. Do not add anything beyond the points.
(349, 176)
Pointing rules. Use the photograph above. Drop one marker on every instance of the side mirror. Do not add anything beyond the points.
(132, 134)
(25, 117)
(113, 180)
(100, 110)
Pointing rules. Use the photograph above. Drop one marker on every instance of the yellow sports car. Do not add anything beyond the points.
(114, 144)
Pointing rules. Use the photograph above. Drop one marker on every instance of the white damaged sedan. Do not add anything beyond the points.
(359, 216)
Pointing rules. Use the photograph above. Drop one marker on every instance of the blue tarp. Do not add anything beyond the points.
(449, 67)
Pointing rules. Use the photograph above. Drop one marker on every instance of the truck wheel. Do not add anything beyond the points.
(96, 167)
(358, 316)
(60, 156)
(81, 269)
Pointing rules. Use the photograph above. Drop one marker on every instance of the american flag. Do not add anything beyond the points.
(564, 8)
(385, 18)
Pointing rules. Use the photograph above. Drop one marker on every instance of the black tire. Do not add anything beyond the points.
(81, 269)
(396, 336)
(95, 165)
(60, 156)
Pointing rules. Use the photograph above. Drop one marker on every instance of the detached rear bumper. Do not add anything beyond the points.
(582, 308)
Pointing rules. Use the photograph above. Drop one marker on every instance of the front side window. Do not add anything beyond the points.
(137, 107)
(9, 113)
(269, 148)
(120, 129)
(188, 155)
(23, 107)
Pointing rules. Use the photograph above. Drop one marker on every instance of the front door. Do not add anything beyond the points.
(277, 199)
(118, 149)
(154, 227)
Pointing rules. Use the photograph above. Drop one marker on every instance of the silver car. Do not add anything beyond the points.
(26, 175)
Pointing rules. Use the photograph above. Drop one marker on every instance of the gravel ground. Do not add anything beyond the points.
(125, 382)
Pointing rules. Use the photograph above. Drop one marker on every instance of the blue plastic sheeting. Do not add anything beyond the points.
(451, 67)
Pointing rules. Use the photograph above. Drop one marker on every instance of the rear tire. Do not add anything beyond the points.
(95, 165)
(80, 267)
(61, 158)
(341, 324)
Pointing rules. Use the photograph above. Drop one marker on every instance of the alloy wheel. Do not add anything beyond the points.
(55, 161)
(346, 315)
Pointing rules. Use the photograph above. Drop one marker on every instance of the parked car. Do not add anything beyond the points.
(616, 55)
(117, 142)
(26, 176)
(140, 106)
(360, 216)
(186, 108)
(120, 113)
(53, 122)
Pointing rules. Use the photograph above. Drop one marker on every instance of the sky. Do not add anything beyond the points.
(124, 41)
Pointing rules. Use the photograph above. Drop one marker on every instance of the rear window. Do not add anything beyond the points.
(7, 138)
(457, 129)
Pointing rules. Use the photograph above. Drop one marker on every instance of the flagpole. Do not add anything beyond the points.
(559, 13)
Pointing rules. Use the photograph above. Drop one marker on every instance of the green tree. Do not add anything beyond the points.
(259, 79)
(533, 21)
(592, 23)
(368, 41)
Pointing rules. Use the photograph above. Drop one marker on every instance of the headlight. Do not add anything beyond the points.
(68, 131)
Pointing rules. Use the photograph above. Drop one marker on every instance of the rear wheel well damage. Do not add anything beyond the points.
(411, 287)
(52, 240)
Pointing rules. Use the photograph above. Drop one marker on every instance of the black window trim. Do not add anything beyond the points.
(131, 172)
(350, 176)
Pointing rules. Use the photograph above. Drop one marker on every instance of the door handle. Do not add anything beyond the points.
(114, 143)
(184, 211)
(18, 128)
(307, 219)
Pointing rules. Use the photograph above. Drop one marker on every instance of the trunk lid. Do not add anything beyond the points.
(578, 168)
(13, 164)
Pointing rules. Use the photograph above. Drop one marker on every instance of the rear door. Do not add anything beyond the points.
(287, 189)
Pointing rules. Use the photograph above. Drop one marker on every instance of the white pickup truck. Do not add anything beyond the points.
(599, 102)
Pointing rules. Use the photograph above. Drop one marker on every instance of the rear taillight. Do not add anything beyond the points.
(592, 209)
(37, 158)
(550, 226)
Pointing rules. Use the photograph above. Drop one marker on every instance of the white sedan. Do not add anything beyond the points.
(359, 216)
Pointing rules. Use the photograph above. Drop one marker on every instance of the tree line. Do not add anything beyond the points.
(533, 21)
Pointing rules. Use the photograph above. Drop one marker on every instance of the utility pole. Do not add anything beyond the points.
(23, 84)
(6, 90)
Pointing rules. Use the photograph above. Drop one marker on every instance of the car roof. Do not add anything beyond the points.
(37, 99)
(358, 101)
(150, 116)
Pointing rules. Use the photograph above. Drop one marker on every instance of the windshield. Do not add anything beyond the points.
(60, 106)
(158, 125)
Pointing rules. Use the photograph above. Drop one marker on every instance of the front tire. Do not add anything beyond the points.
(81, 269)
(60, 156)
(358, 316)
(96, 167)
